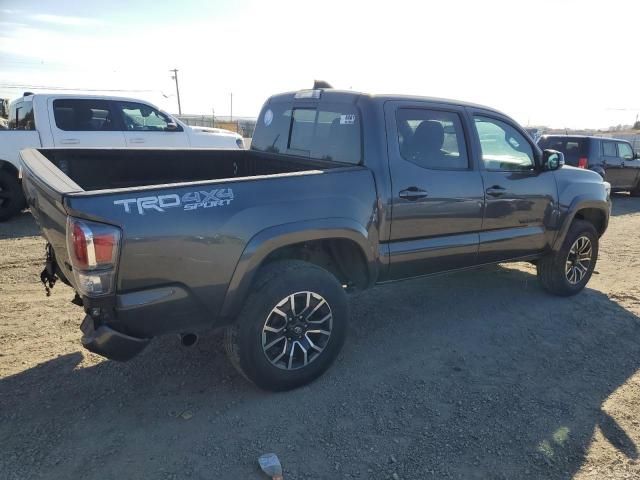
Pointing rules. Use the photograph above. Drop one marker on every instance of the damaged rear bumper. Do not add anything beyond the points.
(110, 343)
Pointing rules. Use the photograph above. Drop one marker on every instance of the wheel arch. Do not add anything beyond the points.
(7, 166)
(340, 245)
(595, 212)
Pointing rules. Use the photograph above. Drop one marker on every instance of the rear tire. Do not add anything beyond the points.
(306, 333)
(567, 271)
(11, 196)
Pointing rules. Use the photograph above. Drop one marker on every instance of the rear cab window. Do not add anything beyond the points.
(326, 131)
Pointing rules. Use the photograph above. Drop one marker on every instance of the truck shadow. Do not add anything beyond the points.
(472, 375)
(20, 226)
(624, 204)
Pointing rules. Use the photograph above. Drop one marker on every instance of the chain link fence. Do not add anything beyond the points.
(243, 126)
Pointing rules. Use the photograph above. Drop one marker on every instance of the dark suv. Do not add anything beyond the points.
(613, 159)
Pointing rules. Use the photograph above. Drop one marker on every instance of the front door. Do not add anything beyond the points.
(147, 127)
(630, 166)
(519, 198)
(84, 123)
(437, 194)
(612, 164)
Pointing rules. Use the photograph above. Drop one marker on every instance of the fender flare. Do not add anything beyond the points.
(273, 238)
(579, 203)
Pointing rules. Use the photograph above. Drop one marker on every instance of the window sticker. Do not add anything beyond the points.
(347, 119)
(268, 118)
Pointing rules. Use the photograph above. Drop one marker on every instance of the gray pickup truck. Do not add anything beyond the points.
(339, 191)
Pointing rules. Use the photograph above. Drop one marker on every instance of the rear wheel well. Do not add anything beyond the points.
(8, 167)
(594, 216)
(342, 257)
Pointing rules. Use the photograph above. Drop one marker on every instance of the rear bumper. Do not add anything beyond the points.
(143, 314)
(110, 343)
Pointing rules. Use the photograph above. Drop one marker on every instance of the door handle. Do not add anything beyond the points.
(496, 191)
(412, 193)
(70, 141)
(136, 140)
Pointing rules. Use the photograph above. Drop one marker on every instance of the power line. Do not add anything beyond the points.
(44, 87)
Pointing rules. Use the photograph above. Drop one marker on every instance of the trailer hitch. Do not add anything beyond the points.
(48, 276)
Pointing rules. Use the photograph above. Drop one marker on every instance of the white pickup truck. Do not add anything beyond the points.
(82, 121)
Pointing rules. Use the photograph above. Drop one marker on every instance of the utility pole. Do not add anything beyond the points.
(232, 106)
(175, 77)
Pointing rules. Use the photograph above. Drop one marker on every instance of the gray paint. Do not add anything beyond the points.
(184, 270)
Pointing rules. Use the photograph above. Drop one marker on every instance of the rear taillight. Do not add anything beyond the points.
(583, 162)
(93, 251)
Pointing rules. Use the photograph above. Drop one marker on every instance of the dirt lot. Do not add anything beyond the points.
(472, 375)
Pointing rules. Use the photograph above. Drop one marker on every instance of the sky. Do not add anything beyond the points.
(560, 63)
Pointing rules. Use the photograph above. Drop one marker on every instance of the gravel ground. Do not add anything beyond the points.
(471, 375)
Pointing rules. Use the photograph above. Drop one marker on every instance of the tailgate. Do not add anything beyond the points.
(44, 187)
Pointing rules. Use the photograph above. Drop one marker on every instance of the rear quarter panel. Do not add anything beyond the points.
(199, 248)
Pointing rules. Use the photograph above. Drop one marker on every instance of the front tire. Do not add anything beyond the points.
(292, 326)
(567, 271)
(11, 196)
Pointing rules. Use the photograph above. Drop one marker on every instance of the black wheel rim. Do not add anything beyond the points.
(579, 260)
(297, 330)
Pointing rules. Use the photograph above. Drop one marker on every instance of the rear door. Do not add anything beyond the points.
(630, 166)
(146, 126)
(612, 164)
(437, 192)
(82, 123)
(519, 198)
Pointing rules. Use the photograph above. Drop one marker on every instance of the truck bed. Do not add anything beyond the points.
(105, 169)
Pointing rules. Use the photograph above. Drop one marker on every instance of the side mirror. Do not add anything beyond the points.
(636, 156)
(552, 160)
(171, 127)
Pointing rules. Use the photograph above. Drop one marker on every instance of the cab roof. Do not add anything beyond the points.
(350, 96)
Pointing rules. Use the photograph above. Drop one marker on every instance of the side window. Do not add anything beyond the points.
(503, 147)
(625, 151)
(609, 149)
(83, 115)
(138, 117)
(432, 138)
(21, 117)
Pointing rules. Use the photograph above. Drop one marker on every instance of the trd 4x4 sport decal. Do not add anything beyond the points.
(189, 201)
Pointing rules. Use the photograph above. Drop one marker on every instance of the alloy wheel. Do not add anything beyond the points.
(297, 330)
(579, 260)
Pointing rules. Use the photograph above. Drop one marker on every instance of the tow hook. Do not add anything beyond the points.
(48, 276)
